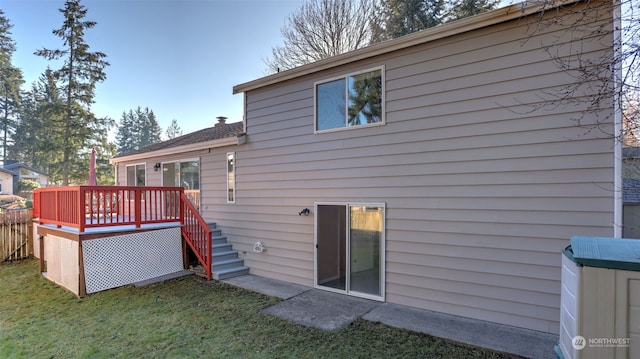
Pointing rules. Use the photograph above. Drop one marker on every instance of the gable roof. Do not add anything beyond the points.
(507, 13)
(15, 167)
(216, 136)
(8, 171)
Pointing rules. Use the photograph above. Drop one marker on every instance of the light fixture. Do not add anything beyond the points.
(157, 167)
(304, 212)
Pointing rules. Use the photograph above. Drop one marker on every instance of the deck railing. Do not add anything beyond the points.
(85, 207)
(198, 233)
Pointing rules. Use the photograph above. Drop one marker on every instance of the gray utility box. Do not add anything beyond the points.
(600, 299)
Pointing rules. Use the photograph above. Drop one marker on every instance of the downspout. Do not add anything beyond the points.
(244, 113)
(115, 173)
(617, 121)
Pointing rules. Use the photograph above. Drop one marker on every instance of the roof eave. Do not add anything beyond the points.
(497, 16)
(221, 142)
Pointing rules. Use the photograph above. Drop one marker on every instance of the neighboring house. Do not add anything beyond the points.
(631, 192)
(631, 162)
(22, 171)
(423, 171)
(6, 181)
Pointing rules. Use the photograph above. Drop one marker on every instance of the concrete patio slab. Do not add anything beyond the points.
(322, 309)
(503, 338)
(268, 286)
(332, 311)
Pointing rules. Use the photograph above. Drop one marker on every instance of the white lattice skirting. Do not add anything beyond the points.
(120, 260)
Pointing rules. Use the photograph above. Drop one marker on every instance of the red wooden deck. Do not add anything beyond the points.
(91, 208)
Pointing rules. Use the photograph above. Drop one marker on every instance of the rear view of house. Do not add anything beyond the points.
(437, 170)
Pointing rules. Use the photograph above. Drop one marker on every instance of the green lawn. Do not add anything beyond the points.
(183, 318)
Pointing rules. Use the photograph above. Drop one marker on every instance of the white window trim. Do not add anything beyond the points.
(126, 177)
(383, 250)
(226, 166)
(383, 116)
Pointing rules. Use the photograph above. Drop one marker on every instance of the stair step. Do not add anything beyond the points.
(226, 264)
(221, 256)
(221, 247)
(219, 239)
(216, 232)
(212, 225)
(230, 272)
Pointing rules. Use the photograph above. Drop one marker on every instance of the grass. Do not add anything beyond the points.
(183, 318)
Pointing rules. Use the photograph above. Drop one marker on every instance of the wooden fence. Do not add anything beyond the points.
(15, 235)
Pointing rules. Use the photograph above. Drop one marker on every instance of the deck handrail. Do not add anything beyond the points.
(196, 233)
(84, 207)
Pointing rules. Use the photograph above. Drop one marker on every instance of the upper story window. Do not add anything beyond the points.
(231, 177)
(136, 175)
(350, 101)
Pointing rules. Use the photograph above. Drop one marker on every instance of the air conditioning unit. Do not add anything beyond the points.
(600, 299)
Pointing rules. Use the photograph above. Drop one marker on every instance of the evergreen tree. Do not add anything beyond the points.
(38, 137)
(173, 130)
(10, 82)
(124, 136)
(150, 130)
(77, 78)
(402, 17)
(465, 8)
(137, 129)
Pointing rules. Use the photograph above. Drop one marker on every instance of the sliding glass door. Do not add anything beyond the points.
(184, 174)
(350, 248)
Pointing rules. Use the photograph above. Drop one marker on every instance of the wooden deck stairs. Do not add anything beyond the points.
(225, 261)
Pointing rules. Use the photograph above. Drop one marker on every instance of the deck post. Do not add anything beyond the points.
(83, 209)
(137, 204)
(58, 208)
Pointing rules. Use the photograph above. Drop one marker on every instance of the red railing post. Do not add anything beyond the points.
(58, 208)
(82, 209)
(137, 195)
(36, 203)
(181, 205)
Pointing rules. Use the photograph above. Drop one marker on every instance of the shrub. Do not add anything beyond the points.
(25, 185)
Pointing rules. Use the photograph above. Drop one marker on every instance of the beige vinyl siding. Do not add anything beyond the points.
(483, 184)
(154, 178)
(634, 316)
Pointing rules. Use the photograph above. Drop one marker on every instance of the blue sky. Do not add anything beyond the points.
(180, 58)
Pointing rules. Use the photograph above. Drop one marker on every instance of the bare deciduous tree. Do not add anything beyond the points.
(614, 75)
(321, 29)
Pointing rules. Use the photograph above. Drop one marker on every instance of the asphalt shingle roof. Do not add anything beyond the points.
(631, 190)
(204, 135)
(8, 171)
(631, 152)
(14, 167)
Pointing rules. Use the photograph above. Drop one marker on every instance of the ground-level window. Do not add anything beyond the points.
(231, 177)
(350, 248)
(136, 175)
(350, 101)
(185, 174)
